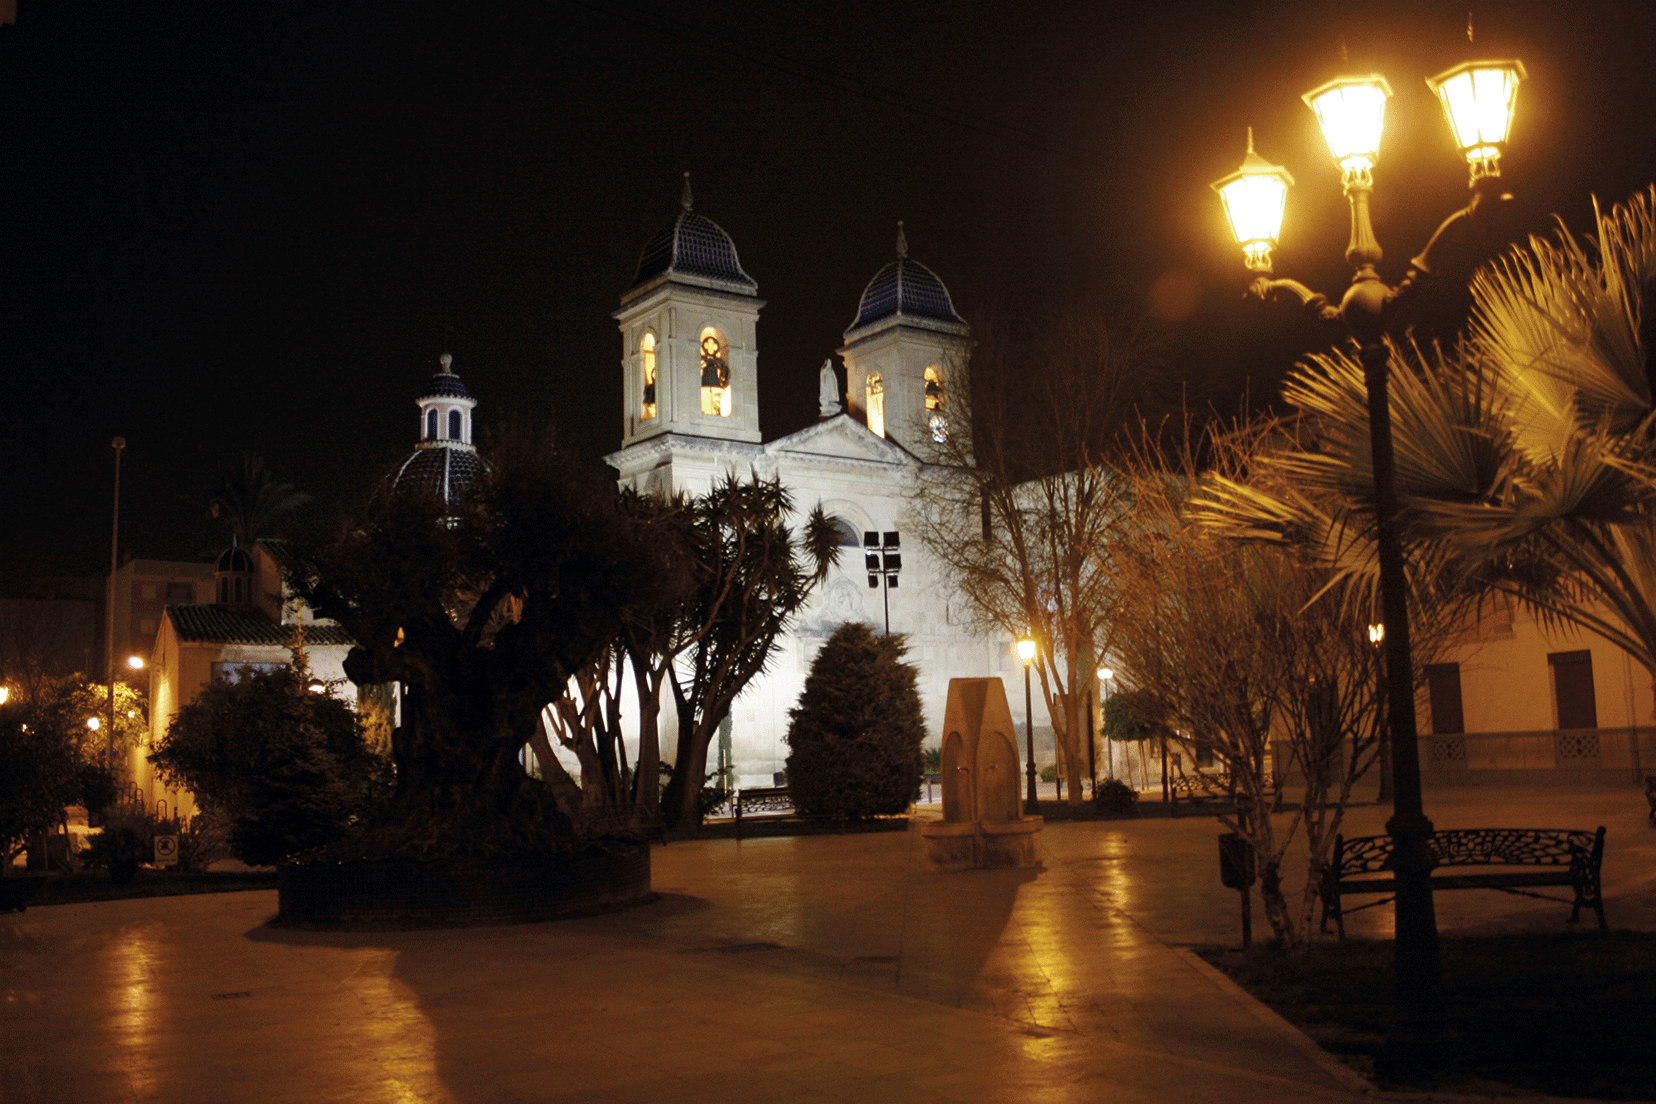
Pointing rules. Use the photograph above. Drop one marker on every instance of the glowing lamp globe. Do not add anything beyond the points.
(1352, 114)
(1480, 98)
(1254, 196)
(1026, 649)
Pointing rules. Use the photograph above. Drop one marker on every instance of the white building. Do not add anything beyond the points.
(690, 349)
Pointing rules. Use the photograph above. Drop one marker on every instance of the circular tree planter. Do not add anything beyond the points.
(411, 895)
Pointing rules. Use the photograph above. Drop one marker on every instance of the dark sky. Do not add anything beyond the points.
(232, 226)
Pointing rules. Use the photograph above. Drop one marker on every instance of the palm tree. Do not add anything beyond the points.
(1524, 458)
(249, 499)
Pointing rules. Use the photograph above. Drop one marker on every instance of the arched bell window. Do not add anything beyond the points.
(715, 373)
(875, 394)
(431, 425)
(647, 363)
(454, 425)
(936, 421)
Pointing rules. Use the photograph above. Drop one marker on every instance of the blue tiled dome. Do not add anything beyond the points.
(693, 246)
(445, 472)
(444, 385)
(906, 289)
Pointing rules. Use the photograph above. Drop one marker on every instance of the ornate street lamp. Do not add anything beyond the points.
(1479, 99)
(1026, 652)
(1254, 197)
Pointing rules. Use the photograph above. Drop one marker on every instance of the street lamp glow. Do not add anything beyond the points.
(1105, 674)
(1480, 99)
(5, 694)
(1254, 198)
(93, 723)
(1026, 648)
(135, 662)
(1377, 633)
(1352, 114)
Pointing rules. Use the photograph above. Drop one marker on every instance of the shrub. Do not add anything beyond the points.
(855, 734)
(126, 842)
(289, 768)
(1116, 798)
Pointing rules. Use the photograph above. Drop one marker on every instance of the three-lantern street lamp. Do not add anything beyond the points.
(883, 558)
(1478, 98)
(1026, 652)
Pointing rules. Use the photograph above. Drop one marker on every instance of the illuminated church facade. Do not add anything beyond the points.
(689, 327)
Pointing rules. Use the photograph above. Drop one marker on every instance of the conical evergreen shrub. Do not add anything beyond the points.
(855, 734)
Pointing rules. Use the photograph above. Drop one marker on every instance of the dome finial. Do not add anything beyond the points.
(687, 201)
(902, 240)
(445, 360)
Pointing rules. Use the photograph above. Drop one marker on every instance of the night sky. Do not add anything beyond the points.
(232, 226)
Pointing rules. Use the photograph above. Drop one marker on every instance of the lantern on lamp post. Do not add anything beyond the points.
(1254, 197)
(1478, 99)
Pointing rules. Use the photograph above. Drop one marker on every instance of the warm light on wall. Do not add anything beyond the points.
(875, 395)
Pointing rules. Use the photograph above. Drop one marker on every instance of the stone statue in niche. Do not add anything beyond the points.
(828, 394)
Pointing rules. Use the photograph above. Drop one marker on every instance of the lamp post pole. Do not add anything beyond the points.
(118, 444)
(1478, 98)
(1032, 800)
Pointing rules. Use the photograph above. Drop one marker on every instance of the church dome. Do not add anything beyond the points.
(443, 472)
(234, 559)
(444, 462)
(693, 246)
(907, 291)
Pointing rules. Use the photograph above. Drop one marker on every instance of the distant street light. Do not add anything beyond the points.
(1026, 652)
(135, 662)
(5, 694)
(1104, 677)
(1478, 99)
(118, 444)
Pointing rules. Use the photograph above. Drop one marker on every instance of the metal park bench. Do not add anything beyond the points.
(761, 800)
(1544, 856)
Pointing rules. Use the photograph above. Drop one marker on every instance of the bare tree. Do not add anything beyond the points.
(1256, 650)
(1019, 504)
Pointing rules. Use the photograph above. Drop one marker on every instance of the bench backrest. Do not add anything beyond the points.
(1477, 847)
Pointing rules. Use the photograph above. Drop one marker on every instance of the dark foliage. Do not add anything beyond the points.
(483, 610)
(127, 840)
(1135, 715)
(44, 770)
(1115, 798)
(290, 768)
(855, 735)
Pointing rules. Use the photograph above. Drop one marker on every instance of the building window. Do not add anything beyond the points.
(1444, 688)
(454, 425)
(180, 592)
(936, 420)
(431, 425)
(1572, 679)
(647, 360)
(715, 373)
(875, 394)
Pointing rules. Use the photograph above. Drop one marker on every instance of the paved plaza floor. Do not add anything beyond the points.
(827, 968)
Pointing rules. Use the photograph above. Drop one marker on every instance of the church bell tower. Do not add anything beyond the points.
(689, 324)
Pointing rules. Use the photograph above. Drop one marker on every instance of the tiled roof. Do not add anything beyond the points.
(693, 246)
(906, 289)
(444, 385)
(445, 470)
(198, 624)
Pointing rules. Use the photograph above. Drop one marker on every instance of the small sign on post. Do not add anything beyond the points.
(166, 850)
